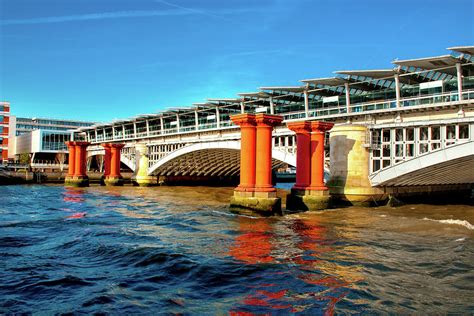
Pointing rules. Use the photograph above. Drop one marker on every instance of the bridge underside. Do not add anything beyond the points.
(207, 163)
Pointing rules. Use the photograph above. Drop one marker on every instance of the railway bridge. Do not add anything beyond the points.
(408, 126)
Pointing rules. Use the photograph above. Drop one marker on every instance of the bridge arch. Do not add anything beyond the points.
(451, 165)
(123, 158)
(221, 158)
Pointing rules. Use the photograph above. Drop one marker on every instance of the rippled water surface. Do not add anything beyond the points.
(180, 250)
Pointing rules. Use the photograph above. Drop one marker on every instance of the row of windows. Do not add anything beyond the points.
(53, 122)
(55, 141)
(34, 127)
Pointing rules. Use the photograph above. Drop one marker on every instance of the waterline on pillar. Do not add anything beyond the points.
(76, 181)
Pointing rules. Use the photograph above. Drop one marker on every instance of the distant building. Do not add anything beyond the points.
(22, 125)
(42, 139)
(4, 130)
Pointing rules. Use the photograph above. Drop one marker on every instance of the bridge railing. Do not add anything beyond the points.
(321, 113)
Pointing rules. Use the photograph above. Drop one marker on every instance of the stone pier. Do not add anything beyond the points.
(141, 177)
(255, 191)
(350, 163)
(309, 191)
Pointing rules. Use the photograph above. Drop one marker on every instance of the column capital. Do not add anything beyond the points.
(318, 126)
(82, 144)
(299, 127)
(268, 120)
(70, 143)
(243, 120)
(119, 146)
(106, 145)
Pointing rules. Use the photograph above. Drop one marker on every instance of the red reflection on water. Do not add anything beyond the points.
(254, 244)
(74, 195)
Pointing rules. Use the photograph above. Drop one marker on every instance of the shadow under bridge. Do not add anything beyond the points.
(213, 159)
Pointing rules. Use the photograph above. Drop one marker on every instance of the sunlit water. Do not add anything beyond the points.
(180, 250)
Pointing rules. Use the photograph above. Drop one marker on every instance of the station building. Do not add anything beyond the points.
(4, 130)
(42, 139)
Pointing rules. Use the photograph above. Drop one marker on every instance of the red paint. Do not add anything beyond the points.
(77, 215)
(265, 124)
(247, 150)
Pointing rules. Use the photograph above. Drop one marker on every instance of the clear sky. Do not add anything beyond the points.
(104, 59)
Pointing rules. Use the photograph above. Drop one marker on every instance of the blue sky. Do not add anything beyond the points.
(104, 59)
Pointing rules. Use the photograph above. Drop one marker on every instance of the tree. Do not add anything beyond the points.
(61, 159)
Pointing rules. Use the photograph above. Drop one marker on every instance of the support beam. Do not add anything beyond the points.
(306, 103)
(348, 97)
(218, 117)
(196, 120)
(397, 90)
(272, 106)
(242, 107)
(459, 77)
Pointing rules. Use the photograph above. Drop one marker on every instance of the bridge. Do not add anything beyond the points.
(418, 117)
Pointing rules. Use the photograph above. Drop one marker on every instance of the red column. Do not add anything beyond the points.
(115, 160)
(303, 161)
(80, 159)
(317, 154)
(71, 159)
(107, 159)
(265, 124)
(247, 151)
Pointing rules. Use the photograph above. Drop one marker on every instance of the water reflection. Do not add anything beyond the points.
(180, 250)
(74, 195)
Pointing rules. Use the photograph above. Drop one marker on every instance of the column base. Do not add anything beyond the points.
(113, 181)
(308, 200)
(77, 181)
(264, 203)
(144, 181)
(358, 196)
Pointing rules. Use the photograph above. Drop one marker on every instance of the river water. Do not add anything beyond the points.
(179, 250)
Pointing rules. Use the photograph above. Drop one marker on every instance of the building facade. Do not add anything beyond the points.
(41, 138)
(4, 130)
(22, 125)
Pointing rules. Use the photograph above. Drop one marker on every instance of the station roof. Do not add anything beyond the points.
(431, 63)
(376, 73)
(463, 49)
(334, 81)
(295, 89)
(258, 94)
(360, 81)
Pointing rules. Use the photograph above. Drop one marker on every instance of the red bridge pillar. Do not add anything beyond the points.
(112, 176)
(77, 175)
(255, 190)
(309, 192)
